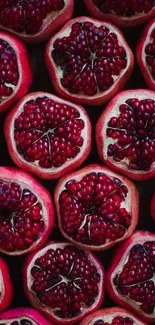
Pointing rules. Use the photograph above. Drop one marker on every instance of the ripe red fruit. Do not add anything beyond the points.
(111, 316)
(47, 136)
(125, 134)
(96, 207)
(34, 21)
(63, 282)
(26, 211)
(122, 13)
(15, 71)
(6, 289)
(23, 316)
(130, 276)
(88, 60)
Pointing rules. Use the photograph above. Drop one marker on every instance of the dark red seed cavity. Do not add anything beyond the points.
(23, 321)
(91, 209)
(150, 54)
(28, 16)
(118, 320)
(48, 132)
(91, 58)
(133, 134)
(136, 280)
(126, 8)
(21, 222)
(66, 281)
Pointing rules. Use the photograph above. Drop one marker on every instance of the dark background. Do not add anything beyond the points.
(42, 82)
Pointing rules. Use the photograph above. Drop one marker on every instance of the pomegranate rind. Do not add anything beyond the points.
(120, 255)
(52, 25)
(121, 21)
(29, 262)
(22, 312)
(101, 137)
(107, 314)
(141, 56)
(77, 175)
(53, 172)
(100, 97)
(152, 206)
(7, 286)
(24, 69)
(44, 197)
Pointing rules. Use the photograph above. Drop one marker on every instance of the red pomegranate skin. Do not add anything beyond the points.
(34, 21)
(24, 315)
(15, 71)
(6, 282)
(124, 14)
(129, 278)
(68, 271)
(84, 72)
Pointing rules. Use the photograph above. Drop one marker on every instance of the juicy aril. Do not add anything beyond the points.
(47, 136)
(126, 13)
(96, 207)
(125, 134)
(6, 290)
(26, 212)
(130, 277)
(15, 70)
(65, 283)
(34, 20)
(111, 316)
(88, 60)
(23, 316)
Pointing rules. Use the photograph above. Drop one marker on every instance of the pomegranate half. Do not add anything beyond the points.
(65, 283)
(47, 136)
(34, 20)
(15, 70)
(96, 207)
(23, 316)
(125, 134)
(6, 289)
(88, 60)
(130, 276)
(126, 13)
(26, 212)
(111, 316)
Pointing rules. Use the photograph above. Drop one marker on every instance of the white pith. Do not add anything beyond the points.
(36, 302)
(108, 318)
(2, 287)
(18, 319)
(147, 41)
(114, 112)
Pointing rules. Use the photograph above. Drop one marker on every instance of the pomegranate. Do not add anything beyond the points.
(111, 316)
(125, 134)
(23, 316)
(6, 290)
(125, 13)
(65, 283)
(96, 207)
(34, 20)
(146, 54)
(152, 206)
(26, 212)
(130, 277)
(15, 70)
(88, 60)
(47, 136)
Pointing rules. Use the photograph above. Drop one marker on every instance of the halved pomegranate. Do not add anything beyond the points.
(23, 316)
(125, 134)
(111, 316)
(6, 289)
(88, 60)
(34, 20)
(126, 13)
(146, 54)
(15, 70)
(65, 283)
(47, 136)
(152, 206)
(96, 207)
(26, 212)
(130, 279)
